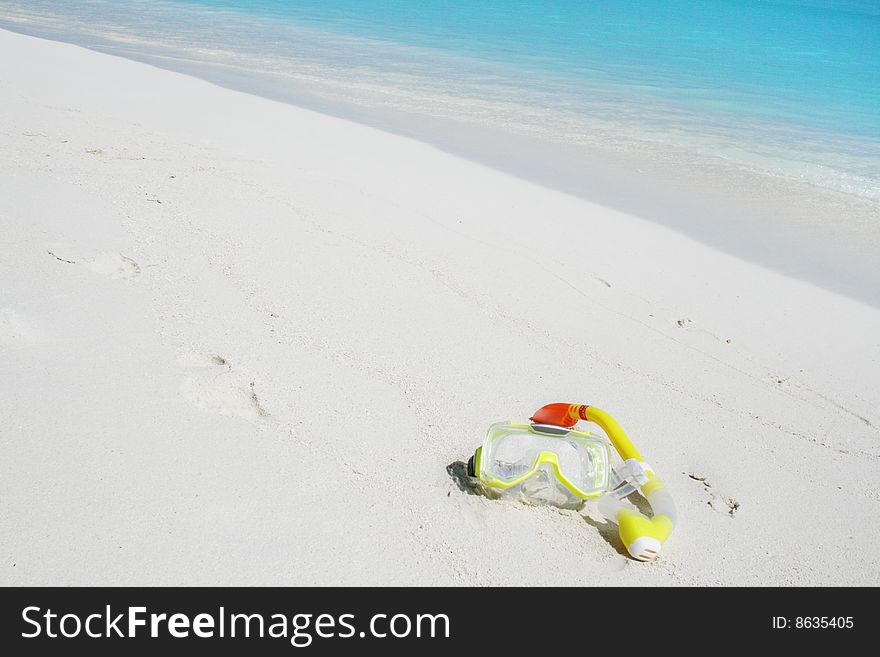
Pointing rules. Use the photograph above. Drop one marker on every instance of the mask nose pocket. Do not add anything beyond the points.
(543, 488)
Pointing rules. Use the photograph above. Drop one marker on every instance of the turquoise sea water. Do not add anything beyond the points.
(814, 63)
(787, 87)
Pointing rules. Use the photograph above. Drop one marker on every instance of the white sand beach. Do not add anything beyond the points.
(246, 343)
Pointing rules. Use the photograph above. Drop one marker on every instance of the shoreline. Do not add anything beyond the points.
(249, 343)
(816, 234)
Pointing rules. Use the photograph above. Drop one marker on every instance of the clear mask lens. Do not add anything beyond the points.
(545, 465)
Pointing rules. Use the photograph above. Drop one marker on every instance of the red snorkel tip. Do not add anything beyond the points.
(559, 414)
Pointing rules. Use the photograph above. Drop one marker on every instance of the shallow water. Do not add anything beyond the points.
(790, 87)
(678, 101)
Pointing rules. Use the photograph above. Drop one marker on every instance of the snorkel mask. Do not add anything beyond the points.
(548, 462)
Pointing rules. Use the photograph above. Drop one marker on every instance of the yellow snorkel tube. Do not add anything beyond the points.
(642, 536)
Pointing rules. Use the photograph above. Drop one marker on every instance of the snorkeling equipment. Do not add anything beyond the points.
(548, 462)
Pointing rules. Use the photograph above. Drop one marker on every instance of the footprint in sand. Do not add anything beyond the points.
(16, 330)
(105, 263)
(211, 383)
(717, 502)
